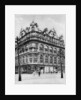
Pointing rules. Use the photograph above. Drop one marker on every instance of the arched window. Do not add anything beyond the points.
(46, 48)
(41, 58)
(46, 59)
(51, 49)
(41, 48)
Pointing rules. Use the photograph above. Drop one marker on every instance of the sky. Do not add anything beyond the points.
(56, 21)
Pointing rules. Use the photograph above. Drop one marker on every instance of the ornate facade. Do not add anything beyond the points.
(39, 51)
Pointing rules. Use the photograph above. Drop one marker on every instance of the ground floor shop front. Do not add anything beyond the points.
(37, 67)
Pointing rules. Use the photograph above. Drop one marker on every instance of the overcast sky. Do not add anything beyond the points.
(56, 21)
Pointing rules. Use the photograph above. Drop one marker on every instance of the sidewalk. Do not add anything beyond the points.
(54, 78)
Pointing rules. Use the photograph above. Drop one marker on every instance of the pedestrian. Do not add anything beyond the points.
(39, 73)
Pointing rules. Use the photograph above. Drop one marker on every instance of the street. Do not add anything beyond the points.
(46, 78)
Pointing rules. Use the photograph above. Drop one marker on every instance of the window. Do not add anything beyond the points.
(51, 59)
(35, 59)
(36, 47)
(41, 58)
(21, 60)
(33, 47)
(30, 48)
(41, 47)
(46, 48)
(30, 60)
(26, 59)
(26, 48)
(55, 50)
(55, 60)
(51, 50)
(46, 59)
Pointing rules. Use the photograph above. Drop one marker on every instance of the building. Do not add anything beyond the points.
(39, 50)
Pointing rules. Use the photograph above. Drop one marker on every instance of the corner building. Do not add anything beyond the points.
(39, 51)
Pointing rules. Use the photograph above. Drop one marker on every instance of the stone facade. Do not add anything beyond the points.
(39, 51)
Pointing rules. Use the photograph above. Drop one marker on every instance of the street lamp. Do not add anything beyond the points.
(17, 41)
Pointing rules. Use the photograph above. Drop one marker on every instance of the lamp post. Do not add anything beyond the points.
(17, 41)
(61, 54)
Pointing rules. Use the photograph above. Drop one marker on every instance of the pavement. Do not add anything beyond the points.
(46, 78)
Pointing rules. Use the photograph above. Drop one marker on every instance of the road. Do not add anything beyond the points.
(54, 78)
